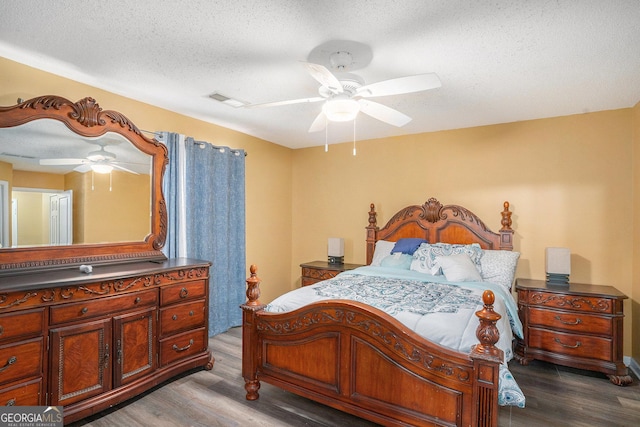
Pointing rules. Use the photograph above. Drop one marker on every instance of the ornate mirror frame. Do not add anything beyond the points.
(87, 118)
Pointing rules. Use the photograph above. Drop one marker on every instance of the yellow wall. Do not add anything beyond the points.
(569, 181)
(268, 166)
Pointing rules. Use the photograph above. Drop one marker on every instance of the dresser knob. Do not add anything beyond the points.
(191, 313)
(137, 300)
(84, 310)
(184, 292)
(174, 317)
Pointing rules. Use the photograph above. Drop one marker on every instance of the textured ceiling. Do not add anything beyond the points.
(499, 61)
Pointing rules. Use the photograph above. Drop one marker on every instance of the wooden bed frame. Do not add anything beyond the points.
(358, 359)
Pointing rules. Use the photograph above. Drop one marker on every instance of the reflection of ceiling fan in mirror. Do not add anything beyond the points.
(99, 161)
(345, 94)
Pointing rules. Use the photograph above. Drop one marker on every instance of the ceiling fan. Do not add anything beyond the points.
(346, 94)
(99, 161)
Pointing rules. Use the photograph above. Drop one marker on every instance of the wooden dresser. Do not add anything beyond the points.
(316, 271)
(90, 341)
(575, 325)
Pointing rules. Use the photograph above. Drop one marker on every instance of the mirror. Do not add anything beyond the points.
(77, 185)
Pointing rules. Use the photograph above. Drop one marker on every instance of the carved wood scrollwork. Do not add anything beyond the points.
(371, 327)
(602, 305)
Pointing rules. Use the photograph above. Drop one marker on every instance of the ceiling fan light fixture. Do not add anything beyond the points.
(341, 109)
(101, 168)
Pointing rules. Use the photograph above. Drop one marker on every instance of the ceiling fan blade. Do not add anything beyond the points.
(123, 169)
(319, 123)
(400, 85)
(288, 102)
(54, 162)
(384, 113)
(324, 76)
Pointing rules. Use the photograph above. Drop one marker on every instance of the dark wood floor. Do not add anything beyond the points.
(556, 396)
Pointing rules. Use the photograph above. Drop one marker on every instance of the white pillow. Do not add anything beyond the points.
(499, 267)
(424, 259)
(459, 268)
(383, 249)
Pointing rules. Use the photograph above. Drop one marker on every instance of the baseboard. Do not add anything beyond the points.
(632, 364)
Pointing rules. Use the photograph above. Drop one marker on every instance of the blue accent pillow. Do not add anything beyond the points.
(398, 260)
(408, 245)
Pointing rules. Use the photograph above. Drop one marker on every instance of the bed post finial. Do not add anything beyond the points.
(372, 216)
(372, 233)
(253, 288)
(487, 331)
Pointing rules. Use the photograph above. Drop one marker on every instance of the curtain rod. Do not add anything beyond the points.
(233, 150)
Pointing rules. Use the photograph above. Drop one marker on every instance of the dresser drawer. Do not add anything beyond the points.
(182, 317)
(572, 302)
(571, 344)
(22, 394)
(182, 346)
(21, 360)
(183, 291)
(571, 321)
(101, 307)
(21, 324)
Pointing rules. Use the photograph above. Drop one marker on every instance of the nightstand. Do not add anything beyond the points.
(315, 271)
(575, 325)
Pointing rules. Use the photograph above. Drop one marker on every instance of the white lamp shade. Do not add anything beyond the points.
(335, 247)
(101, 168)
(341, 109)
(558, 260)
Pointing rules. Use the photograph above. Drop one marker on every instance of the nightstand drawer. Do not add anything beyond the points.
(571, 302)
(571, 344)
(571, 321)
(316, 271)
(319, 274)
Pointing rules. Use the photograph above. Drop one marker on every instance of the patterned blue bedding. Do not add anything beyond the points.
(441, 311)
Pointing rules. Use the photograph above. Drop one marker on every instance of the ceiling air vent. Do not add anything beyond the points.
(226, 100)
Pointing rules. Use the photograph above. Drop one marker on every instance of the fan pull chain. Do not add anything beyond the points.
(354, 137)
(110, 180)
(326, 132)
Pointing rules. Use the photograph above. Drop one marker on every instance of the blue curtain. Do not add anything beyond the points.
(205, 192)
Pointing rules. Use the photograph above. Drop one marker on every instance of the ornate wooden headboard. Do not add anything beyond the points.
(436, 222)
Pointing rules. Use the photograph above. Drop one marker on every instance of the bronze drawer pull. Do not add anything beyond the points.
(577, 322)
(84, 310)
(191, 313)
(184, 292)
(137, 300)
(174, 317)
(176, 348)
(11, 402)
(10, 362)
(106, 355)
(578, 343)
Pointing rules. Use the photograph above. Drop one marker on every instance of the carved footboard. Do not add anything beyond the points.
(356, 358)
